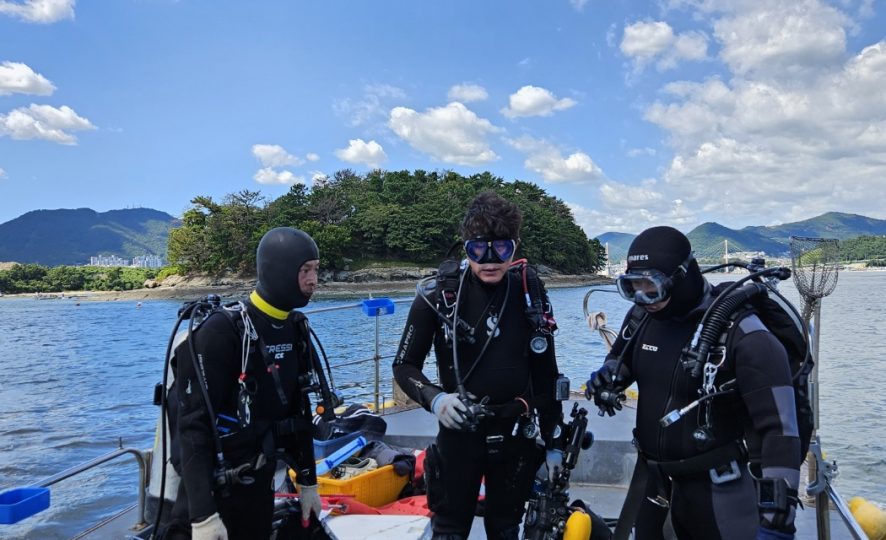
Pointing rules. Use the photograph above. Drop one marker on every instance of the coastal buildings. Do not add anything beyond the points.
(145, 261)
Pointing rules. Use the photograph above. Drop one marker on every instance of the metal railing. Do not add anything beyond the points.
(376, 358)
(143, 459)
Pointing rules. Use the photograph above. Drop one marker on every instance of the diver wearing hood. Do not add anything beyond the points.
(255, 377)
(696, 469)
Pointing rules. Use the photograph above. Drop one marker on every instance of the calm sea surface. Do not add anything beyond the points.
(76, 378)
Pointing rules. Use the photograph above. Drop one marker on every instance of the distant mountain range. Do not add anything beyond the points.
(55, 237)
(708, 238)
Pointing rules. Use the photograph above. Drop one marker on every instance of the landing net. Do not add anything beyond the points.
(814, 265)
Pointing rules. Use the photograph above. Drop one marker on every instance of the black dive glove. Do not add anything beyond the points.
(602, 389)
(777, 503)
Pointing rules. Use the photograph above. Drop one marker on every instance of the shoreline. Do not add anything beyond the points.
(239, 289)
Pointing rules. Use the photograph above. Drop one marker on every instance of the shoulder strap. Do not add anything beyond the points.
(638, 314)
(448, 275)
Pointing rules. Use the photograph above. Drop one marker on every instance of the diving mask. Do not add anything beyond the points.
(649, 286)
(485, 250)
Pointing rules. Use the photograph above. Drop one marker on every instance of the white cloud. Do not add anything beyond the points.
(646, 39)
(637, 152)
(359, 151)
(273, 158)
(318, 177)
(18, 78)
(452, 134)
(617, 195)
(270, 176)
(43, 122)
(466, 93)
(762, 146)
(782, 39)
(579, 5)
(273, 155)
(312, 156)
(39, 11)
(644, 42)
(372, 107)
(545, 159)
(535, 101)
(632, 220)
(2, 173)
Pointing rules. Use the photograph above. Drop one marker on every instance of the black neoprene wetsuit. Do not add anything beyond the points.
(762, 412)
(506, 370)
(247, 510)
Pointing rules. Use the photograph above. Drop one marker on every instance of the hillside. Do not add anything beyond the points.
(54, 237)
(707, 239)
(830, 225)
(618, 244)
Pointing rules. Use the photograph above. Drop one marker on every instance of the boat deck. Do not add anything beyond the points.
(603, 472)
(600, 479)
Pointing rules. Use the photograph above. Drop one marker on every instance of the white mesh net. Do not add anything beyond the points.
(815, 269)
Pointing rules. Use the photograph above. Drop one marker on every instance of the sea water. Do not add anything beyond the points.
(77, 378)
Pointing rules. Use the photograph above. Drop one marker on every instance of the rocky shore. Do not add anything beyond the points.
(361, 283)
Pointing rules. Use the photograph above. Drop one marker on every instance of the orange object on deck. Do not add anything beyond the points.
(414, 506)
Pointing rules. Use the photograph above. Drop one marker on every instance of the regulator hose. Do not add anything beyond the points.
(715, 321)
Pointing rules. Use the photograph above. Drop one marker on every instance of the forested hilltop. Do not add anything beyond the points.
(379, 217)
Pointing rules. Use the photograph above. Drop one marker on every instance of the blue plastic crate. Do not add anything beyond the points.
(18, 503)
(326, 448)
(373, 307)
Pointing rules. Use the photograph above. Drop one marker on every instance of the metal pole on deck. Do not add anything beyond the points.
(822, 502)
(377, 360)
(814, 262)
(376, 307)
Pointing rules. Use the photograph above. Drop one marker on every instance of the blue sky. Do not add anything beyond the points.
(676, 112)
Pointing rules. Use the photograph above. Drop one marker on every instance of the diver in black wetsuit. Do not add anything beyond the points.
(699, 467)
(257, 397)
(495, 363)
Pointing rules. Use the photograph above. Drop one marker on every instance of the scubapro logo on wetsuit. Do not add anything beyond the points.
(652, 348)
(492, 323)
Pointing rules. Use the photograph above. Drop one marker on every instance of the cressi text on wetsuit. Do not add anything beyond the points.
(506, 370)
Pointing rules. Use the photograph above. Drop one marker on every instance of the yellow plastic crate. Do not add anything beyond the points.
(375, 488)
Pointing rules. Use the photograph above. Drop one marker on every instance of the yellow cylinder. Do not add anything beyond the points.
(871, 517)
(578, 526)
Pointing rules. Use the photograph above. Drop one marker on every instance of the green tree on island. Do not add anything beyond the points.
(402, 216)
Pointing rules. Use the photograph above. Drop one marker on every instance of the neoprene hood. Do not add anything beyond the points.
(665, 249)
(281, 254)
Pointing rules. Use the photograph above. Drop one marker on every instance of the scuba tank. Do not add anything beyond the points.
(163, 446)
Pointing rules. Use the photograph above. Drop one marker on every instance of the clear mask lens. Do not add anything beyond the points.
(647, 287)
(482, 250)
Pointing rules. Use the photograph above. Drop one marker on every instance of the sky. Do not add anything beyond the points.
(676, 112)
